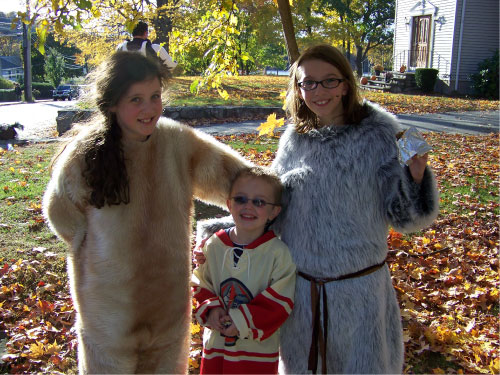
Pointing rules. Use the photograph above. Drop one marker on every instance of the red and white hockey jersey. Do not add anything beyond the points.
(259, 290)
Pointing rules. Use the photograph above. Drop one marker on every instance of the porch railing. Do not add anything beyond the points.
(405, 57)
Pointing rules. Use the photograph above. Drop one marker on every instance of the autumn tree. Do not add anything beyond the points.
(211, 26)
(365, 23)
(54, 67)
(9, 46)
(10, 38)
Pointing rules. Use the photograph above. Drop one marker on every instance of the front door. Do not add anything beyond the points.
(420, 41)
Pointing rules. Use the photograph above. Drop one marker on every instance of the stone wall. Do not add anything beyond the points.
(67, 117)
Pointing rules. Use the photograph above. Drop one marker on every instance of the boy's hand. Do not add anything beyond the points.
(215, 318)
(229, 329)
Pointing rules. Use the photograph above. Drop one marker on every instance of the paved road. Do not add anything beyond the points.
(474, 123)
(38, 119)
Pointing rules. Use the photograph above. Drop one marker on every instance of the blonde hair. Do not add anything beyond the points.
(266, 175)
(305, 119)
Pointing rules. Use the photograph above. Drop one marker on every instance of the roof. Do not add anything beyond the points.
(10, 62)
(6, 30)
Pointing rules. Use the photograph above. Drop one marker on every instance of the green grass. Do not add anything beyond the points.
(260, 145)
(218, 101)
(23, 177)
(259, 91)
(475, 190)
(428, 361)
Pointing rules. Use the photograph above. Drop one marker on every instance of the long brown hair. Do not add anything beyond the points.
(105, 171)
(305, 119)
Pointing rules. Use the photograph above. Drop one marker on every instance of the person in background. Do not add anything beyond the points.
(245, 289)
(142, 44)
(18, 91)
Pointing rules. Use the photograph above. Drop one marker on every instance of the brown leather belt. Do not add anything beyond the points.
(318, 290)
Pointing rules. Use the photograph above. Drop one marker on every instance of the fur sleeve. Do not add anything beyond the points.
(213, 166)
(206, 228)
(409, 206)
(64, 199)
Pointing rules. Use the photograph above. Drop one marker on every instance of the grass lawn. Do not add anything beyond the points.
(269, 91)
(446, 276)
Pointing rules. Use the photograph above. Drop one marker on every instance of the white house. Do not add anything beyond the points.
(11, 67)
(453, 36)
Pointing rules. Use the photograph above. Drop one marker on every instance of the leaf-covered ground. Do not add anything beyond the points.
(446, 276)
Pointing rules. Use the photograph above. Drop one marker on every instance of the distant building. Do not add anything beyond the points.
(11, 67)
(453, 36)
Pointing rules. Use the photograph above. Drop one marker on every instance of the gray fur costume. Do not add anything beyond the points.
(344, 186)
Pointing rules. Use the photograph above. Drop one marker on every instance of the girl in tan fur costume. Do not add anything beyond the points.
(121, 196)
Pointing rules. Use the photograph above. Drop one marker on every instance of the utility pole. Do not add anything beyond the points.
(27, 57)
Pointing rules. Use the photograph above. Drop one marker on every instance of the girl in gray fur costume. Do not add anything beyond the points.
(344, 187)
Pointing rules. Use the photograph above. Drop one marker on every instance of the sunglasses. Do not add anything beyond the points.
(241, 200)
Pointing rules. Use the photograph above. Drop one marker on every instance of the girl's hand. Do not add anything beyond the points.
(417, 166)
(198, 256)
(215, 318)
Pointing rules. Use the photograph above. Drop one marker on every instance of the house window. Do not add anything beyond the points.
(420, 41)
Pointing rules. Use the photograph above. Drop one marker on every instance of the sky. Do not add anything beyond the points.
(7, 6)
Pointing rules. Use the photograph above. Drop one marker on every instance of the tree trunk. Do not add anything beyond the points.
(28, 95)
(348, 52)
(359, 60)
(288, 29)
(163, 25)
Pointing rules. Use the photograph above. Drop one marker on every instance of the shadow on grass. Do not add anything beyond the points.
(428, 361)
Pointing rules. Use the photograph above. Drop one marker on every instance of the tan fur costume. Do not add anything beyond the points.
(129, 264)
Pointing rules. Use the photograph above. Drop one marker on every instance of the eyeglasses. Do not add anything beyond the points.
(241, 200)
(329, 83)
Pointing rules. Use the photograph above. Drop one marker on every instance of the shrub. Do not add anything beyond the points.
(426, 78)
(44, 90)
(7, 95)
(485, 82)
(6, 84)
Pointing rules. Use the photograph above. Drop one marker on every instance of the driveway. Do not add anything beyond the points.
(473, 123)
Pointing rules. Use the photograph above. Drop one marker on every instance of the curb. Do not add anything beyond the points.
(2, 104)
(67, 117)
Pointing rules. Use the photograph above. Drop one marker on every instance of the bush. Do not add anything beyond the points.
(485, 82)
(7, 95)
(426, 78)
(6, 84)
(44, 90)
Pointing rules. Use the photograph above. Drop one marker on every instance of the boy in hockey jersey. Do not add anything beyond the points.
(245, 288)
